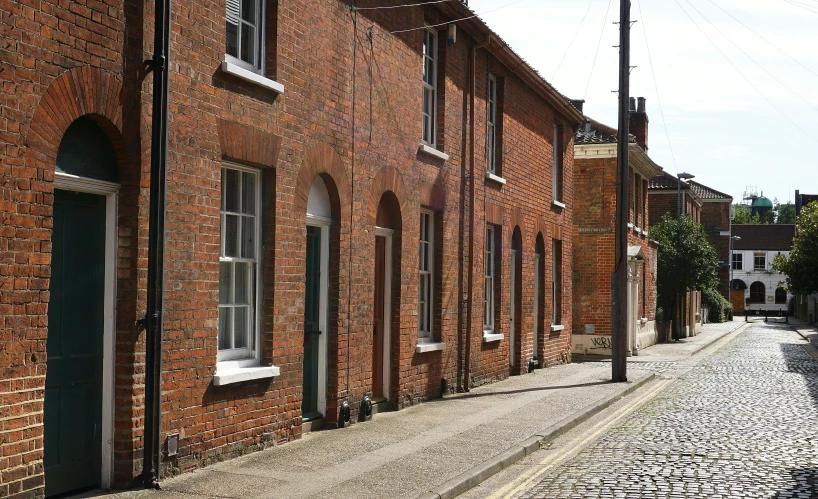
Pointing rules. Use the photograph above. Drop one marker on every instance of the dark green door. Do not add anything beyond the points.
(312, 332)
(73, 383)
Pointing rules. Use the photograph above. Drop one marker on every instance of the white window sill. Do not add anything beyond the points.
(558, 204)
(495, 178)
(433, 152)
(429, 347)
(491, 337)
(247, 75)
(557, 327)
(232, 374)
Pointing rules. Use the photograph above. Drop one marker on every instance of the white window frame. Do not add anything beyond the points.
(491, 125)
(242, 357)
(488, 281)
(756, 256)
(426, 272)
(256, 66)
(558, 173)
(555, 266)
(429, 121)
(738, 258)
(637, 198)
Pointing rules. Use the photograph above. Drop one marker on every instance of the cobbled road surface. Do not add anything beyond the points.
(742, 424)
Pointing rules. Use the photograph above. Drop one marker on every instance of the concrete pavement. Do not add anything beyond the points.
(437, 449)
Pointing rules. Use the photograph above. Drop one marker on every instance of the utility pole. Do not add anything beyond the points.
(619, 340)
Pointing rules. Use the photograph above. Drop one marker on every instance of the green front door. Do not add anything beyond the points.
(73, 383)
(312, 329)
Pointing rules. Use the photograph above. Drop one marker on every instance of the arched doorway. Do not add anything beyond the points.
(780, 296)
(386, 293)
(78, 405)
(316, 302)
(516, 269)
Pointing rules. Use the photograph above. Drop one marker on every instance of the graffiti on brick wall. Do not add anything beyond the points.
(601, 342)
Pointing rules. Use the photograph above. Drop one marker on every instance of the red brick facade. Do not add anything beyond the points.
(595, 180)
(358, 131)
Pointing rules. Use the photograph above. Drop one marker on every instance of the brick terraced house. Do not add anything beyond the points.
(360, 203)
(595, 170)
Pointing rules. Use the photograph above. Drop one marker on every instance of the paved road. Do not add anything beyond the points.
(741, 424)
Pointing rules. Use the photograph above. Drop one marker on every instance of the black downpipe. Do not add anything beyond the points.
(156, 245)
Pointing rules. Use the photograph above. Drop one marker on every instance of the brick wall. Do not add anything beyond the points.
(595, 246)
(62, 61)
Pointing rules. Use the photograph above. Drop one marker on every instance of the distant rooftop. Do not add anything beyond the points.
(769, 237)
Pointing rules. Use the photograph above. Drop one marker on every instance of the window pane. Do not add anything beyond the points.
(248, 11)
(242, 292)
(248, 46)
(225, 282)
(232, 29)
(231, 235)
(248, 236)
(248, 192)
(231, 190)
(241, 327)
(225, 321)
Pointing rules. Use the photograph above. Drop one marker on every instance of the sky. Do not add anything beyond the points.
(736, 111)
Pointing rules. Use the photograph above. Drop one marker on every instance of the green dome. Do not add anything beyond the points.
(762, 202)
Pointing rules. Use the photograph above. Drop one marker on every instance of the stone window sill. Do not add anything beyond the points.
(491, 337)
(429, 347)
(431, 151)
(557, 327)
(558, 204)
(247, 75)
(230, 373)
(495, 178)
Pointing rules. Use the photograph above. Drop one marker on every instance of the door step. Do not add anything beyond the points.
(313, 425)
(380, 406)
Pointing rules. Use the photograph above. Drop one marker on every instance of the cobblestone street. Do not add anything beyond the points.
(741, 424)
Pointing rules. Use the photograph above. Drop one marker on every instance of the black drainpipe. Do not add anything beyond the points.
(156, 245)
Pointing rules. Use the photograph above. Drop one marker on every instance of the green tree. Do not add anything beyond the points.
(686, 261)
(801, 267)
(741, 215)
(784, 212)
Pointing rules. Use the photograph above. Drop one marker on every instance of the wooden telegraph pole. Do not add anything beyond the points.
(619, 289)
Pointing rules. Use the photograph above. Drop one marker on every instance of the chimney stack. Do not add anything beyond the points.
(639, 122)
(632, 105)
(578, 103)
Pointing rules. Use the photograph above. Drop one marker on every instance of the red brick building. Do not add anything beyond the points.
(715, 218)
(355, 207)
(595, 179)
(667, 196)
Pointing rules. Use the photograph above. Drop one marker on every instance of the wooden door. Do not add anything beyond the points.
(737, 297)
(378, 336)
(312, 329)
(73, 386)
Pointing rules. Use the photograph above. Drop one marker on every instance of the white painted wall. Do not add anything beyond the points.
(770, 279)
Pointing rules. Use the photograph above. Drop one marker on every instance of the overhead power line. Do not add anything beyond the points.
(598, 44)
(656, 86)
(771, 75)
(800, 5)
(401, 6)
(749, 82)
(591, 2)
(456, 20)
(765, 39)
